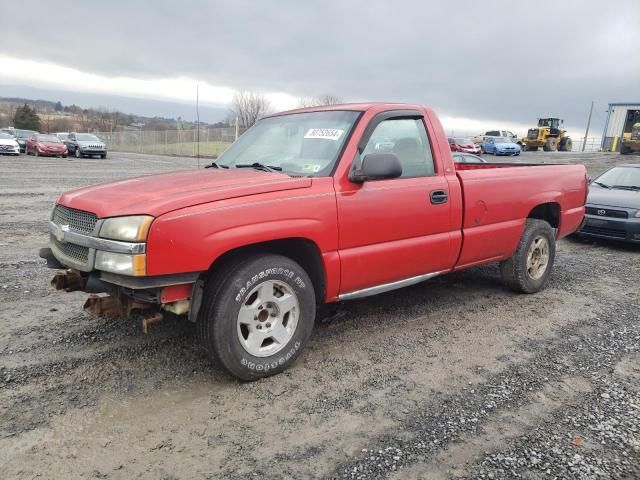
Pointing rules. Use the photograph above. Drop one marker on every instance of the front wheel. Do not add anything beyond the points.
(257, 315)
(528, 270)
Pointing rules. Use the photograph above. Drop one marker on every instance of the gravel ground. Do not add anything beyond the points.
(453, 378)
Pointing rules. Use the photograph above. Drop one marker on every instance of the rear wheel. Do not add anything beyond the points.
(624, 150)
(565, 144)
(528, 270)
(257, 315)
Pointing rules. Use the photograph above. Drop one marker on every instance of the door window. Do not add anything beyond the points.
(407, 139)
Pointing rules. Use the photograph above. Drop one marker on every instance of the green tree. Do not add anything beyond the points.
(58, 106)
(26, 118)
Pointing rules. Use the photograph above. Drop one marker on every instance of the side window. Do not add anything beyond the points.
(407, 139)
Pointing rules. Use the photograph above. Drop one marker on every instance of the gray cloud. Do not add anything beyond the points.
(504, 60)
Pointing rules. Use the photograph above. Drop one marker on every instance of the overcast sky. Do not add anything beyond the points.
(478, 64)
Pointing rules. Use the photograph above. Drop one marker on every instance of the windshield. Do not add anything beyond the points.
(299, 143)
(24, 133)
(620, 177)
(501, 140)
(548, 122)
(62, 136)
(87, 137)
(6, 136)
(463, 141)
(48, 138)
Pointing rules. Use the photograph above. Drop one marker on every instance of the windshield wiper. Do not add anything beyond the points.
(259, 166)
(626, 187)
(215, 165)
(602, 184)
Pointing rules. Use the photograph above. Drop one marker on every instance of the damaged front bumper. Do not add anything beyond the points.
(150, 296)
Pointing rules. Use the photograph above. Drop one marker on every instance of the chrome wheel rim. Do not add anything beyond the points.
(268, 318)
(538, 257)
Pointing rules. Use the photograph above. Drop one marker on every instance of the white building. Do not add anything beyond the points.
(620, 119)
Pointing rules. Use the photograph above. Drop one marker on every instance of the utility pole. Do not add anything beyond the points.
(198, 124)
(586, 134)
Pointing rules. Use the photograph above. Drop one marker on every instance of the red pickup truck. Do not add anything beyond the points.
(308, 207)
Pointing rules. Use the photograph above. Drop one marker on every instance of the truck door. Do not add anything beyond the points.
(394, 229)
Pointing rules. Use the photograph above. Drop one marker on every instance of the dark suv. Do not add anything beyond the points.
(85, 145)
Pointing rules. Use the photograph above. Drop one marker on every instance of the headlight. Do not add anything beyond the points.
(121, 263)
(637, 215)
(130, 229)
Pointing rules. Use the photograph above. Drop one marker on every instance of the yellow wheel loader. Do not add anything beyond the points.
(549, 135)
(631, 140)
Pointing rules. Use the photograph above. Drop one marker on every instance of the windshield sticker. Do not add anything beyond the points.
(308, 167)
(324, 133)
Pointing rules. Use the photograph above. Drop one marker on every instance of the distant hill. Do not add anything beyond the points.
(137, 107)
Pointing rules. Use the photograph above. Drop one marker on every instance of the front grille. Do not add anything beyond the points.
(606, 212)
(608, 232)
(532, 133)
(77, 253)
(79, 221)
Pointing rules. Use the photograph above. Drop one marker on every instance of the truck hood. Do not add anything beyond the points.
(158, 194)
(613, 197)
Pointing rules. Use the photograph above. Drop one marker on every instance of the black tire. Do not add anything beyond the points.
(550, 145)
(229, 290)
(515, 272)
(624, 150)
(565, 144)
(103, 156)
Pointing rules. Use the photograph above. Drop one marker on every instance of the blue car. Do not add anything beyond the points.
(500, 146)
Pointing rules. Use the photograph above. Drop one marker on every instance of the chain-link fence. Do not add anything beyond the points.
(185, 143)
(214, 141)
(591, 144)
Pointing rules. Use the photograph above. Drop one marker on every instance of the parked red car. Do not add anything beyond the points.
(464, 145)
(349, 201)
(44, 145)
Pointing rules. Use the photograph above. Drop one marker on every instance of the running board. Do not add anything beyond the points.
(387, 287)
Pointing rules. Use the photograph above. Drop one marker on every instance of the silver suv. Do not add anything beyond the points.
(85, 145)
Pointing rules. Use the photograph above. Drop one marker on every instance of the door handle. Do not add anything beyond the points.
(438, 196)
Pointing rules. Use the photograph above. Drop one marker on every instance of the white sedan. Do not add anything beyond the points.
(8, 145)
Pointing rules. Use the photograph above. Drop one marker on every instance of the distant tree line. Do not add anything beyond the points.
(46, 116)
(249, 107)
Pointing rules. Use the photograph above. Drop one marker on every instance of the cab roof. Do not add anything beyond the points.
(356, 107)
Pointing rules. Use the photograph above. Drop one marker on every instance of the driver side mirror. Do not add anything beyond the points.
(377, 166)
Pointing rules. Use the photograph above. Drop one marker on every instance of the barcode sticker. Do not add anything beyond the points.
(325, 133)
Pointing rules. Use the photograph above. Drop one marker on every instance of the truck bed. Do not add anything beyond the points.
(482, 166)
(497, 199)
